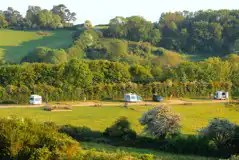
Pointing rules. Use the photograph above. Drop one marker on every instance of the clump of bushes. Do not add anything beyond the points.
(220, 130)
(121, 129)
(223, 136)
(22, 138)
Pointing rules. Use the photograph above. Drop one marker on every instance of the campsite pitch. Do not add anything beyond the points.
(193, 117)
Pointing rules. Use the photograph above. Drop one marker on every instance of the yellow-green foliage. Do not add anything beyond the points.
(14, 45)
(193, 117)
(167, 57)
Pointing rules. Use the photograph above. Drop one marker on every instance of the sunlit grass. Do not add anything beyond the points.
(193, 117)
(14, 45)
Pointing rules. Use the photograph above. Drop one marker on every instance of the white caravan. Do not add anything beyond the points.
(130, 97)
(221, 95)
(35, 99)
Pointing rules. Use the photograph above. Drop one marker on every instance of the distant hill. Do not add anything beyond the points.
(15, 45)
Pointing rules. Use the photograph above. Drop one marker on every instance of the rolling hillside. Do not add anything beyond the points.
(14, 45)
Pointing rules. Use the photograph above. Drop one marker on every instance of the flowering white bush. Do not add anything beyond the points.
(160, 122)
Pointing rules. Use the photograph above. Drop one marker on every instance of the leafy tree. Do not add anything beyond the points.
(49, 20)
(117, 27)
(78, 74)
(64, 13)
(160, 122)
(88, 24)
(3, 22)
(158, 74)
(116, 49)
(87, 39)
(140, 74)
(13, 17)
(109, 72)
(32, 16)
(55, 56)
(76, 52)
(138, 28)
(154, 36)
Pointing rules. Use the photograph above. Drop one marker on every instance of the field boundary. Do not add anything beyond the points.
(118, 104)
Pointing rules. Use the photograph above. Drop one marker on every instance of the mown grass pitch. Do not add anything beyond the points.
(14, 45)
(193, 117)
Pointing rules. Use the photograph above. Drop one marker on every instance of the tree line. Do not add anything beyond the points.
(210, 31)
(101, 79)
(37, 18)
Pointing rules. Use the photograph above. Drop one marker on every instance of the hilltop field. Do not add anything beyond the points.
(14, 45)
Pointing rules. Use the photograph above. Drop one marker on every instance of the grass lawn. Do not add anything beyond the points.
(193, 117)
(158, 155)
(14, 45)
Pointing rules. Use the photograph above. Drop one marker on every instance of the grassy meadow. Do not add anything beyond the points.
(193, 117)
(14, 45)
(158, 155)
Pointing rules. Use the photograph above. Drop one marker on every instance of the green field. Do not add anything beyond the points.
(158, 155)
(14, 45)
(193, 117)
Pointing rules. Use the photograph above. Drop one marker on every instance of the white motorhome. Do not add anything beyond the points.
(221, 95)
(35, 99)
(130, 97)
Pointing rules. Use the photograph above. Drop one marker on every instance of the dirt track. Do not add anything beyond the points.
(146, 103)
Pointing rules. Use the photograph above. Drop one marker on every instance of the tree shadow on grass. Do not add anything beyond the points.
(181, 144)
(59, 39)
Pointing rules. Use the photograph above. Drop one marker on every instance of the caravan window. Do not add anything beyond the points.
(32, 99)
(133, 97)
(38, 99)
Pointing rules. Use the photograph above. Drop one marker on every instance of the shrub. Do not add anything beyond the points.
(180, 144)
(160, 122)
(235, 141)
(121, 129)
(24, 139)
(220, 130)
